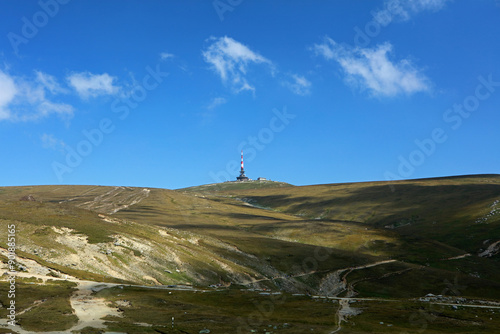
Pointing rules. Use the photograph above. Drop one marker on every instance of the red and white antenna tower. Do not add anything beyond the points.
(242, 169)
(242, 176)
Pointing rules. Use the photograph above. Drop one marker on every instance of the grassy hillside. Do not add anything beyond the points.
(244, 229)
(401, 239)
(419, 221)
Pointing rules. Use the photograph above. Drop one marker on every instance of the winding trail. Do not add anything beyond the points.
(118, 198)
(89, 309)
(457, 257)
(345, 311)
(337, 284)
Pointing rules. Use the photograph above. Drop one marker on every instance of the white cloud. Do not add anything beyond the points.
(217, 101)
(49, 82)
(298, 85)
(166, 55)
(22, 100)
(8, 91)
(404, 9)
(371, 69)
(230, 60)
(51, 142)
(421, 5)
(45, 108)
(88, 85)
(33, 103)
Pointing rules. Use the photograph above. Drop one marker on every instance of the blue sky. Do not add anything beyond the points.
(166, 93)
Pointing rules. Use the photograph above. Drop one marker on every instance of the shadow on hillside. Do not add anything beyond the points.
(329, 224)
(202, 227)
(243, 216)
(404, 196)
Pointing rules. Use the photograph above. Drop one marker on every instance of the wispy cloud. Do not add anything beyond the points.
(166, 55)
(403, 10)
(371, 68)
(50, 83)
(298, 85)
(51, 142)
(88, 85)
(8, 91)
(22, 100)
(216, 101)
(45, 108)
(230, 60)
(419, 5)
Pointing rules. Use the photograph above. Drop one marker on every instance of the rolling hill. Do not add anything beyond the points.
(398, 240)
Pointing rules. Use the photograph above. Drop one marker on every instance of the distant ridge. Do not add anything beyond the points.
(451, 177)
(236, 185)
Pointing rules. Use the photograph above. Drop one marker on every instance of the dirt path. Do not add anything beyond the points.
(319, 271)
(344, 312)
(457, 257)
(107, 202)
(336, 282)
(89, 309)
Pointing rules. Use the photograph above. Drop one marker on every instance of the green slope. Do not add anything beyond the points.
(399, 240)
(274, 233)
